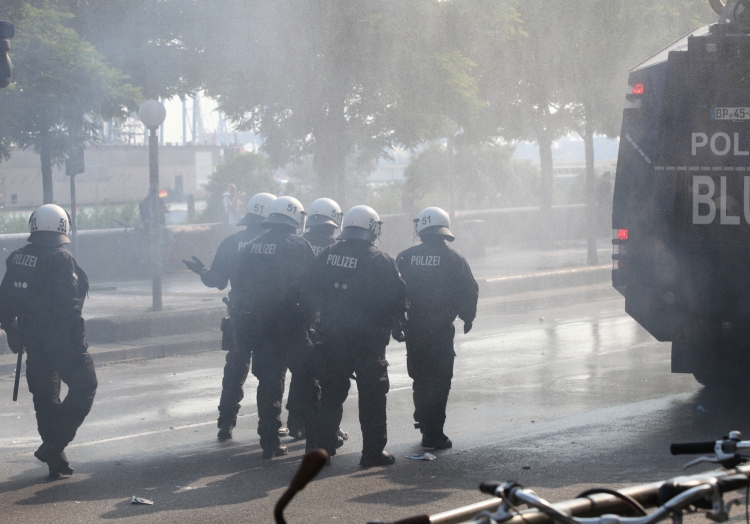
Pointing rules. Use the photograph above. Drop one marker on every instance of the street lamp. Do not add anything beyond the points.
(152, 113)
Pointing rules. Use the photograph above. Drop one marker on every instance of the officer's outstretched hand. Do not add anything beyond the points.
(398, 334)
(196, 266)
(467, 327)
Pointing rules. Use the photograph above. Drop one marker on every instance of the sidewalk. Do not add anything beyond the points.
(514, 260)
(184, 289)
(121, 328)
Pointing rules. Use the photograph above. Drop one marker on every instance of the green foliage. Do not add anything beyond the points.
(249, 172)
(102, 216)
(386, 198)
(108, 216)
(13, 222)
(61, 87)
(485, 177)
(332, 85)
(158, 44)
(339, 80)
(55, 70)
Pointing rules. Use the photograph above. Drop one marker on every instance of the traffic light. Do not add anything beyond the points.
(6, 68)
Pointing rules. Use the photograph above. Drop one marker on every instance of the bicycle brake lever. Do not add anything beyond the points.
(701, 460)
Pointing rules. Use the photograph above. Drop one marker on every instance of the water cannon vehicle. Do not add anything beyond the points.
(681, 207)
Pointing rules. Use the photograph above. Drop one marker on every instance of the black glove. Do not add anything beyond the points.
(14, 340)
(197, 267)
(398, 334)
(467, 327)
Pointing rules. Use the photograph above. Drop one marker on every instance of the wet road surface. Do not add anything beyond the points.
(583, 396)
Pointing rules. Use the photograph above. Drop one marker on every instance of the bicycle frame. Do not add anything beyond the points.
(600, 504)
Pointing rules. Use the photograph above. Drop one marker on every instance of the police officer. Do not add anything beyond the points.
(439, 287)
(270, 276)
(359, 295)
(41, 298)
(324, 220)
(223, 271)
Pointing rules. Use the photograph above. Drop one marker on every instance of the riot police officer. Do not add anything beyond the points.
(439, 287)
(41, 298)
(223, 271)
(359, 294)
(268, 287)
(324, 219)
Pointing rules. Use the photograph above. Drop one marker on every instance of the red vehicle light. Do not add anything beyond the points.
(638, 89)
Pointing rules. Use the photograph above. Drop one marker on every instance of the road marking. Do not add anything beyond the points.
(698, 168)
(153, 432)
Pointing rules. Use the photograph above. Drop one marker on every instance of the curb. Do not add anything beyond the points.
(120, 329)
(544, 280)
(109, 330)
(149, 349)
(580, 295)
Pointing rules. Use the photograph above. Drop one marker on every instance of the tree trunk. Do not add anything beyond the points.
(45, 155)
(591, 225)
(332, 147)
(546, 186)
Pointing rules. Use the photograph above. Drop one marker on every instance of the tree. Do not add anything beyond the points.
(603, 37)
(485, 177)
(58, 78)
(158, 44)
(249, 172)
(339, 80)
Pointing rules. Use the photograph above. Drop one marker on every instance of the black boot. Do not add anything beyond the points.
(43, 452)
(275, 452)
(383, 459)
(225, 431)
(58, 465)
(436, 442)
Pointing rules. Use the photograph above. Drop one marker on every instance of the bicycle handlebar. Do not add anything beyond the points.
(692, 448)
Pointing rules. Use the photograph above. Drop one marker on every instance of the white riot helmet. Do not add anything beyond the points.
(434, 221)
(324, 211)
(258, 208)
(49, 226)
(285, 210)
(361, 222)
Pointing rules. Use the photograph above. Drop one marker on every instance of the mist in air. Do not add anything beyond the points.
(397, 105)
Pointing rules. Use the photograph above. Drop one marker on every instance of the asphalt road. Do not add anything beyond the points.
(582, 397)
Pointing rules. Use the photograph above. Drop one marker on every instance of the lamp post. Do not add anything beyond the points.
(152, 114)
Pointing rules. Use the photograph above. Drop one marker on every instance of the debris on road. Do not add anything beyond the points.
(139, 500)
(422, 456)
(526, 467)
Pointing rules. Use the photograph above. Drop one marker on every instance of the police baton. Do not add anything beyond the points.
(18, 374)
